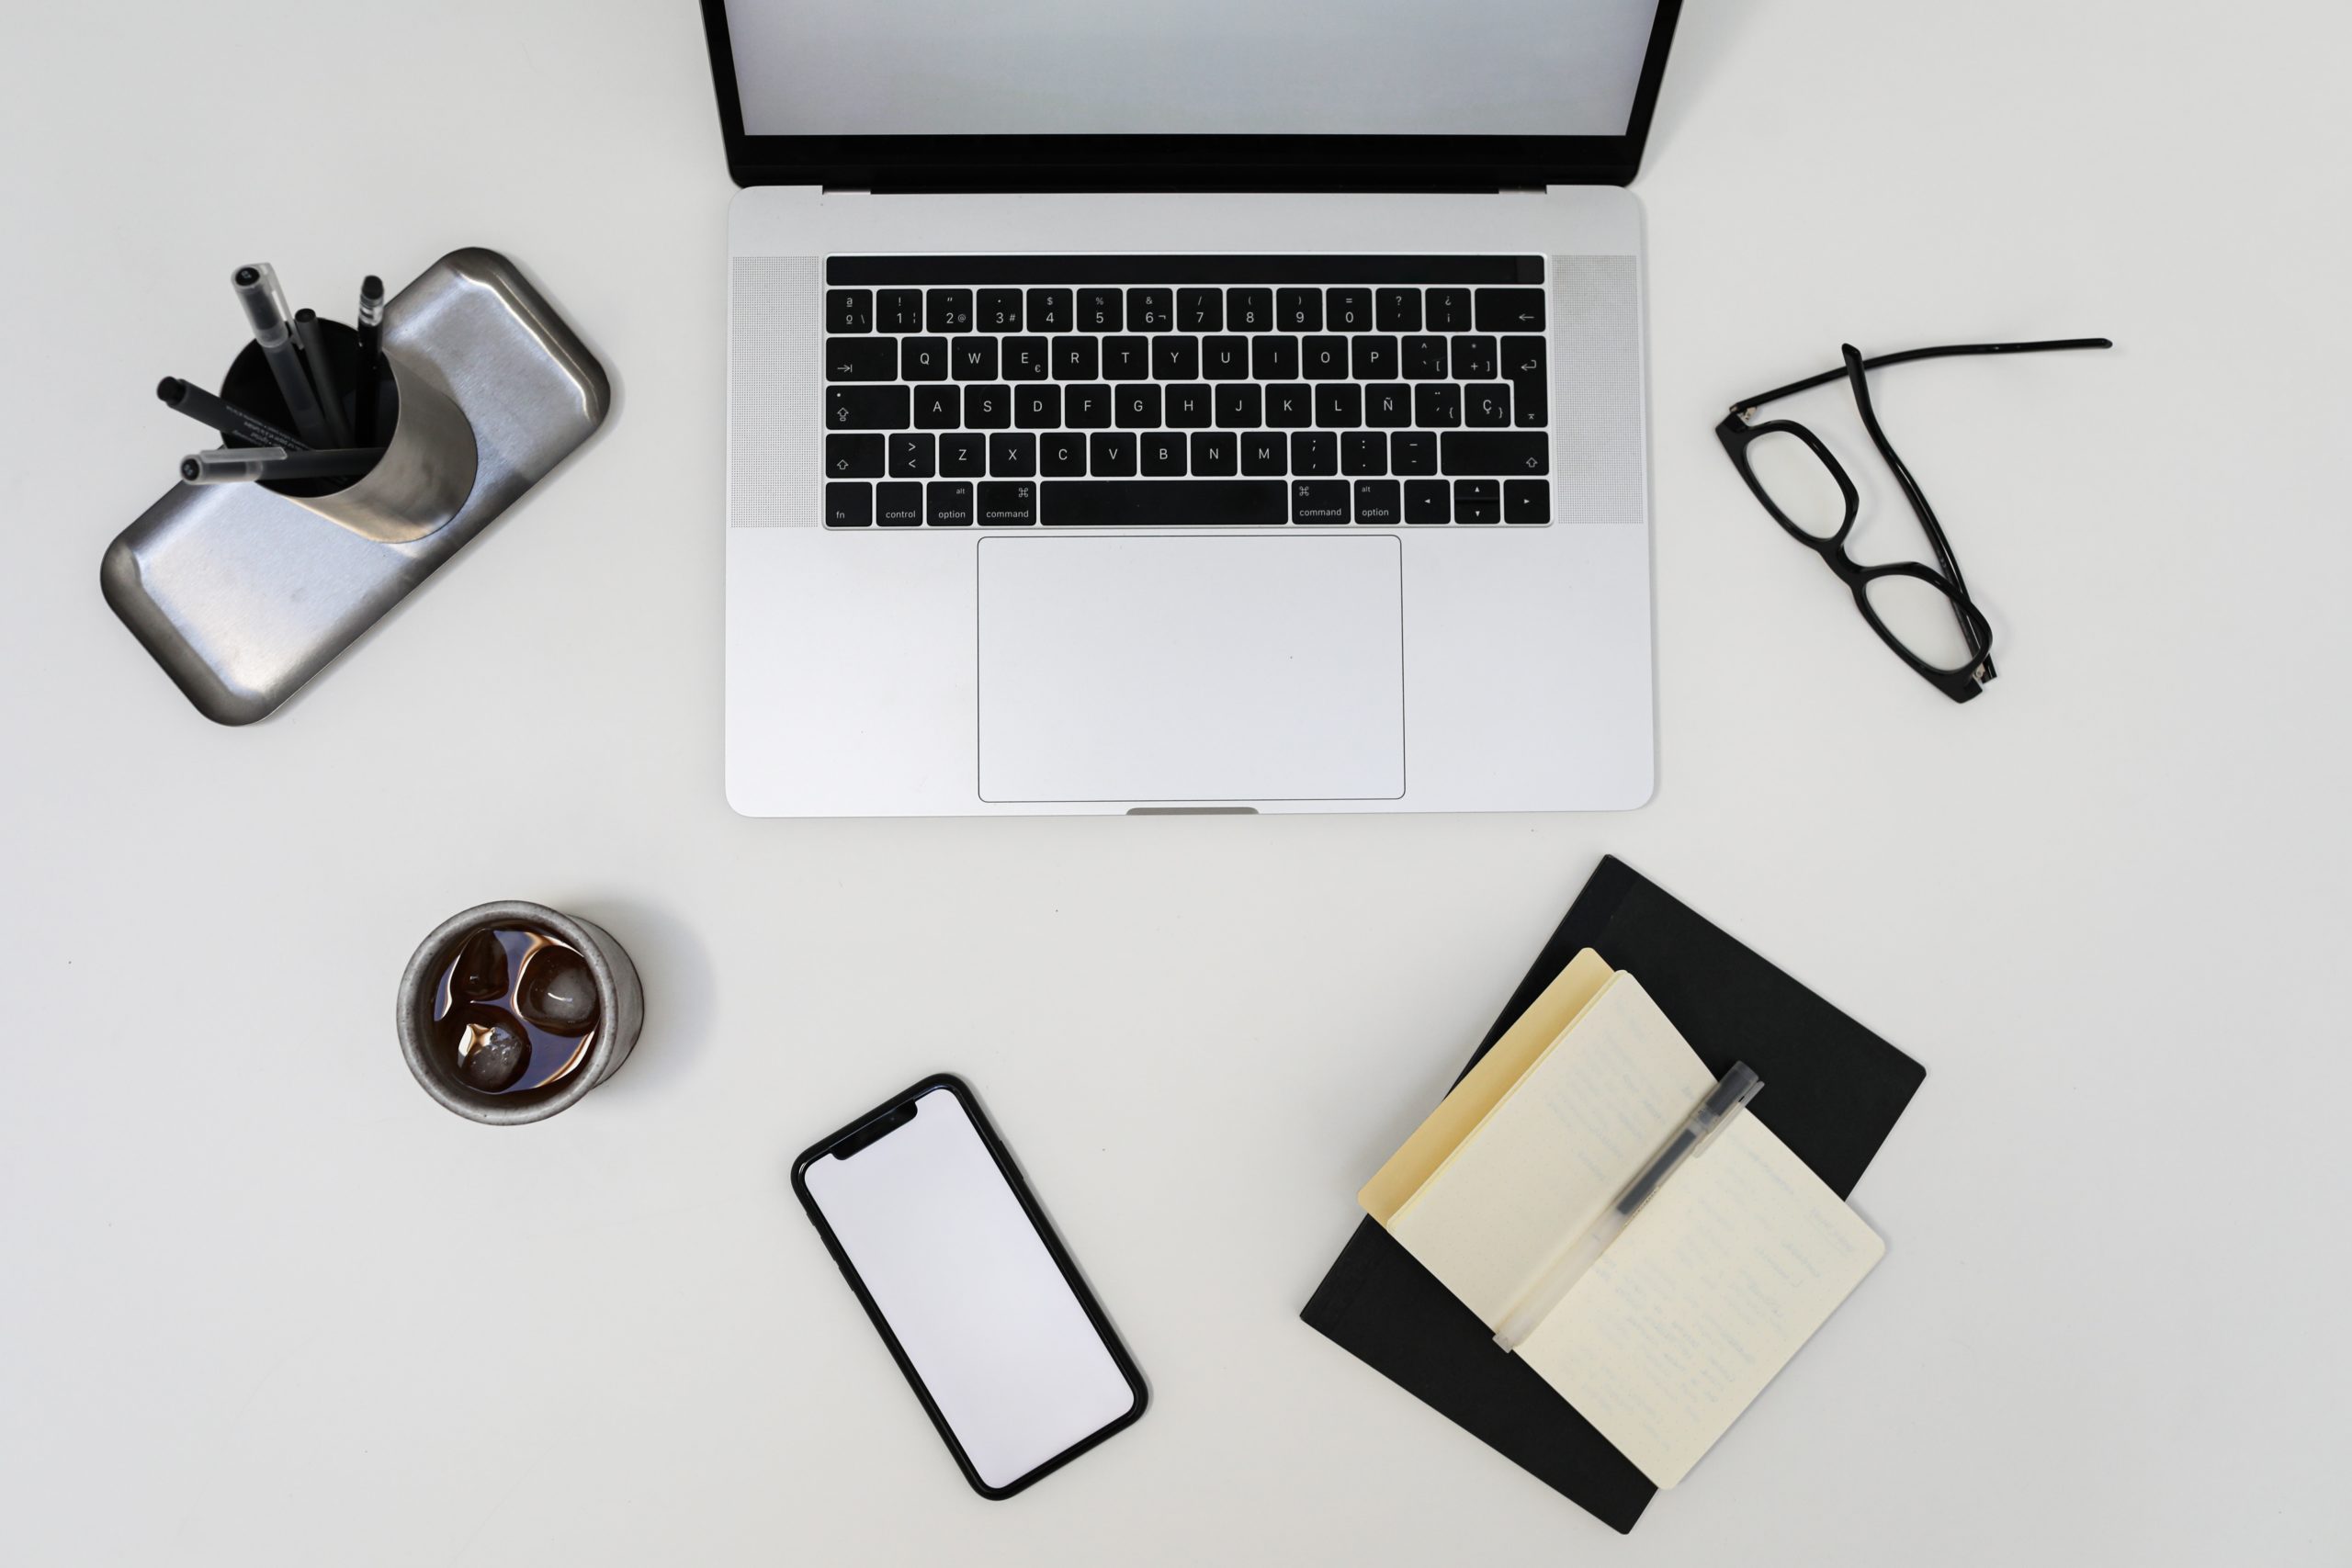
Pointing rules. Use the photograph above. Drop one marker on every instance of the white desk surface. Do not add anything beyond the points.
(263, 1302)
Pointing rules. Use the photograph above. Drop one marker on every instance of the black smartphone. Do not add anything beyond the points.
(922, 1206)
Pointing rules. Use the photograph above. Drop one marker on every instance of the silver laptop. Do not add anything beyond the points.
(1234, 406)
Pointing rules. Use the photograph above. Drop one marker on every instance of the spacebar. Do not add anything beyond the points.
(1153, 504)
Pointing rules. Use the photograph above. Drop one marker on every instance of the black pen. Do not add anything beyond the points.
(265, 306)
(320, 360)
(226, 465)
(224, 416)
(370, 369)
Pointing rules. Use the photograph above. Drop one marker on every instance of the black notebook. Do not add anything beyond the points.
(1836, 1091)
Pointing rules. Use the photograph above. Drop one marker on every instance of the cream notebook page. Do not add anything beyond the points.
(1716, 1283)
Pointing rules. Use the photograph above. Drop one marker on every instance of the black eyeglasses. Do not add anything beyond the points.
(1904, 602)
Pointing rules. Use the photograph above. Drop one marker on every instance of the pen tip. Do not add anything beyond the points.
(168, 389)
(188, 469)
(306, 315)
(246, 277)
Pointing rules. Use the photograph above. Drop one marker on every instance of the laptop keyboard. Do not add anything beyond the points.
(1186, 391)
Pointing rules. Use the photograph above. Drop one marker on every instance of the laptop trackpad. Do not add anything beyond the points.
(1223, 669)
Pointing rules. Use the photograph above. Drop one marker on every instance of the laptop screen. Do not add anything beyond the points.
(956, 68)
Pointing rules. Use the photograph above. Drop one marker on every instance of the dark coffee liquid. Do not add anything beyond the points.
(516, 1010)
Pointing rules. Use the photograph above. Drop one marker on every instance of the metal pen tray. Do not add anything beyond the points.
(242, 594)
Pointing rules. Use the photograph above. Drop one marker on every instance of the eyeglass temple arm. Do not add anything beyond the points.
(1944, 351)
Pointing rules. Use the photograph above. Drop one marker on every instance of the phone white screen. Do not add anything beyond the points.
(997, 1337)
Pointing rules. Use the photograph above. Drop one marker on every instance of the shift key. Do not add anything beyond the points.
(1496, 452)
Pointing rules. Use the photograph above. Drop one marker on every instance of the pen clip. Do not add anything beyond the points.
(1737, 1089)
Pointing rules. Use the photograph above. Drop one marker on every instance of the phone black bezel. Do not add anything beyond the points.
(1054, 1248)
(1192, 161)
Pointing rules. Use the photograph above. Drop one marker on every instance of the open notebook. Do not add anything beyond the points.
(1741, 1255)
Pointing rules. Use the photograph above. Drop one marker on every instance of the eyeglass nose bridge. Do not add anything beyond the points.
(1737, 435)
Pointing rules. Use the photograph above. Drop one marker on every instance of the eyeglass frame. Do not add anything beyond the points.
(1737, 433)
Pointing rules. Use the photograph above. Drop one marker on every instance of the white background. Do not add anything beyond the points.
(262, 1302)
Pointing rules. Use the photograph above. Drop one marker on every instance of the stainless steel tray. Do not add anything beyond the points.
(242, 594)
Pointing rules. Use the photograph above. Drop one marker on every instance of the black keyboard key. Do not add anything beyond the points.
(1478, 501)
(861, 359)
(854, 457)
(1151, 309)
(1013, 455)
(1325, 358)
(1240, 407)
(1137, 408)
(963, 456)
(1049, 311)
(1062, 456)
(1527, 501)
(1313, 452)
(1448, 310)
(1188, 407)
(1364, 452)
(1510, 310)
(1273, 358)
(972, 359)
(1163, 455)
(1474, 357)
(1318, 500)
(950, 502)
(948, 310)
(1037, 408)
(1000, 309)
(1513, 453)
(866, 408)
(849, 504)
(1373, 356)
(1126, 358)
(1413, 452)
(1425, 358)
(1289, 407)
(1397, 309)
(1339, 405)
(1487, 405)
(1348, 310)
(1076, 358)
(938, 408)
(1028, 359)
(1100, 311)
(1299, 310)
(1008, 505)
(1152, 504)
(1437, 405)
(899, 505)
(1250, 310)
(1111, 454)
(849, 309)
(1215, 452)
(1200, 310)
(914, 457)
(1530, 381)
(1225, 358)
(1087, 407)
(1378, 502)
(899, 309)
(1176, 357)
(923, 359)
(1265, 452)
(1387, 404)
(1428, 501)
(988, 407)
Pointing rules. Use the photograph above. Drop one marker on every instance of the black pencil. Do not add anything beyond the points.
(319, 360)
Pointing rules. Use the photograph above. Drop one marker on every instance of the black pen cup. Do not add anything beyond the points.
(251, 386)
